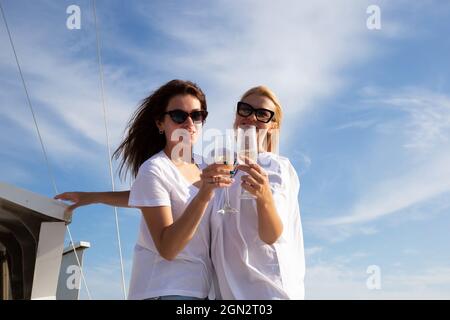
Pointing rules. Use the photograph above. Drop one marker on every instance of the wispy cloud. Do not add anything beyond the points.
(359, 124)
(429, 114)
(313, 250)
(295, 54)
(326, 281)
(334, 233)
(338, 280)
(63, 83)
(424, 124)
(232, 46)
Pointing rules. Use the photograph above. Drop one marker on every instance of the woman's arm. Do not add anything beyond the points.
(170, 237)
(117, 198)
(270, 225)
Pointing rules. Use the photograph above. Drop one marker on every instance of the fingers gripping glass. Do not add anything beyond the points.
(262, 115)
(247, 151)
(180, 116)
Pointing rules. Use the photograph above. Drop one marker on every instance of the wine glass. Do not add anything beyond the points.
(224, 154)
(247, 151)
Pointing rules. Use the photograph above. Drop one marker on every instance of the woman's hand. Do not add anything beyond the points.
(215, 176)
(78, 198)
(270, 226)
(256, 182)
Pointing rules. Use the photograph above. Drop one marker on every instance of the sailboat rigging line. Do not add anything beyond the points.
(50, 173)
(105, 117)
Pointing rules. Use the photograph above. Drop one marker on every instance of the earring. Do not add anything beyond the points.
(161, 131)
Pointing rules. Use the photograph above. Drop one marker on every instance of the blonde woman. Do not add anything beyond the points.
(258, 253)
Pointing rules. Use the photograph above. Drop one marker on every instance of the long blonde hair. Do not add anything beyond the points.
(266, 92)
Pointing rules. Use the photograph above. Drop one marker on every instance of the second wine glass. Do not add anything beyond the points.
(247, 151)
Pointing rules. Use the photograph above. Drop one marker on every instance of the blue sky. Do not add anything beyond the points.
(367, 121)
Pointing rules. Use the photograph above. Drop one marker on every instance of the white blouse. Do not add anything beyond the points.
(247, 267)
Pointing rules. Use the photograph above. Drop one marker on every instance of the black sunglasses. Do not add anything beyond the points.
(262, 115)
(180, 116)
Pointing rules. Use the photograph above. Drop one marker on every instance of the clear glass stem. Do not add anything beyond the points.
(227, 198)
(227, 208)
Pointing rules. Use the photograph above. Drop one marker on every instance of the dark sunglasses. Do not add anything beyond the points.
(180, 116)
(262, 115)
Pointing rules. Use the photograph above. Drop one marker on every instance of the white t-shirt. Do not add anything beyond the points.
(159, 183)
(247, 267)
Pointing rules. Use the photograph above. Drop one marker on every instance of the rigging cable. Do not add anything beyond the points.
(50, 173)
(105, 117)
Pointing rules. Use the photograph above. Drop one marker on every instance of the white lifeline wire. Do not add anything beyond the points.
(42, 143)
(99, 59)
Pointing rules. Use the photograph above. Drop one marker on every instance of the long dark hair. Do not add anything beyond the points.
(143, 139)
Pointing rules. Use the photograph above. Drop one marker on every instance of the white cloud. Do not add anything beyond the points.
(297, 48)
(334, 233)
(326, 281)
(68, 89)
(337, 280)
(428, 117)
(63, 84)
(300, 54)
(313, 250)
(301, 161)
(425, 126)
(389, 197)
(359, 124)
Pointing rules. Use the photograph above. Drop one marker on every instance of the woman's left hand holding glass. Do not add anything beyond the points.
(256, 182)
